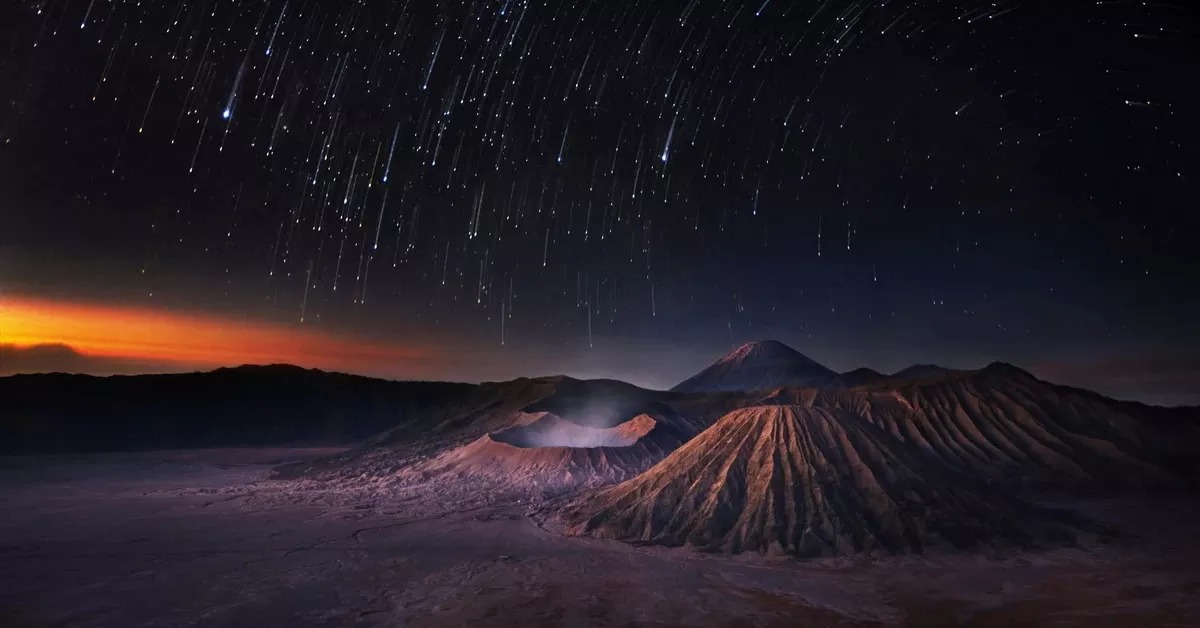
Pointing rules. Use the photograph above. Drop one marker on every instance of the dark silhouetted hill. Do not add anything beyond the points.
(248, 405)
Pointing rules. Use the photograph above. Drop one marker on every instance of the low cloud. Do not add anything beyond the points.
(100, 338)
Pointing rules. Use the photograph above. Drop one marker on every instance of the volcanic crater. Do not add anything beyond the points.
(551, 430)
(546, 451)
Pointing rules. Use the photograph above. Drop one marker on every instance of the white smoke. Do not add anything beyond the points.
(554, 431)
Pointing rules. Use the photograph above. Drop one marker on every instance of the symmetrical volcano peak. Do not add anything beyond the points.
(760, 365)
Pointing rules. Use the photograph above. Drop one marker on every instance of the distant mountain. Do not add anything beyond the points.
(861, 377)
(248, 405)
(922, 371)
(758, 366)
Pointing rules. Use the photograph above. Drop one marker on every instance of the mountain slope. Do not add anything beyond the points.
(1002, 423)
(759, 365)
(809, 482)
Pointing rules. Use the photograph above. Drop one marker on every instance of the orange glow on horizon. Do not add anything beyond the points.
(193, 340)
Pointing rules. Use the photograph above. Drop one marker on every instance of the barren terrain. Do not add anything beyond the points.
(203, 538)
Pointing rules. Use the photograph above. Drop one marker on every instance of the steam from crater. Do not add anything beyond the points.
(553, 431)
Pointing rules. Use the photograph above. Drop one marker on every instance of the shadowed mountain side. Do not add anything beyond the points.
(860, 377)
(250, 405)
(807, 482)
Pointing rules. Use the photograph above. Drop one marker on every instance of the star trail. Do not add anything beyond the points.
(877, 182)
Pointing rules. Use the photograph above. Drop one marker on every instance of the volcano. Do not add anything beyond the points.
(807, 481)
(547, 451)
(757, 366)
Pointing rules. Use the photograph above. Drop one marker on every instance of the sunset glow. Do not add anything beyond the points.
(189, 339)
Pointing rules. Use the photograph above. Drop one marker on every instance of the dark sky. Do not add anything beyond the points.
(623, 188)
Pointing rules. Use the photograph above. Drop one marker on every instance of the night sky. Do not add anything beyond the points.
(482, 190)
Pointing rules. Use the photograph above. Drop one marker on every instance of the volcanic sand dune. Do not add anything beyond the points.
(547, 451)
(809, 482)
